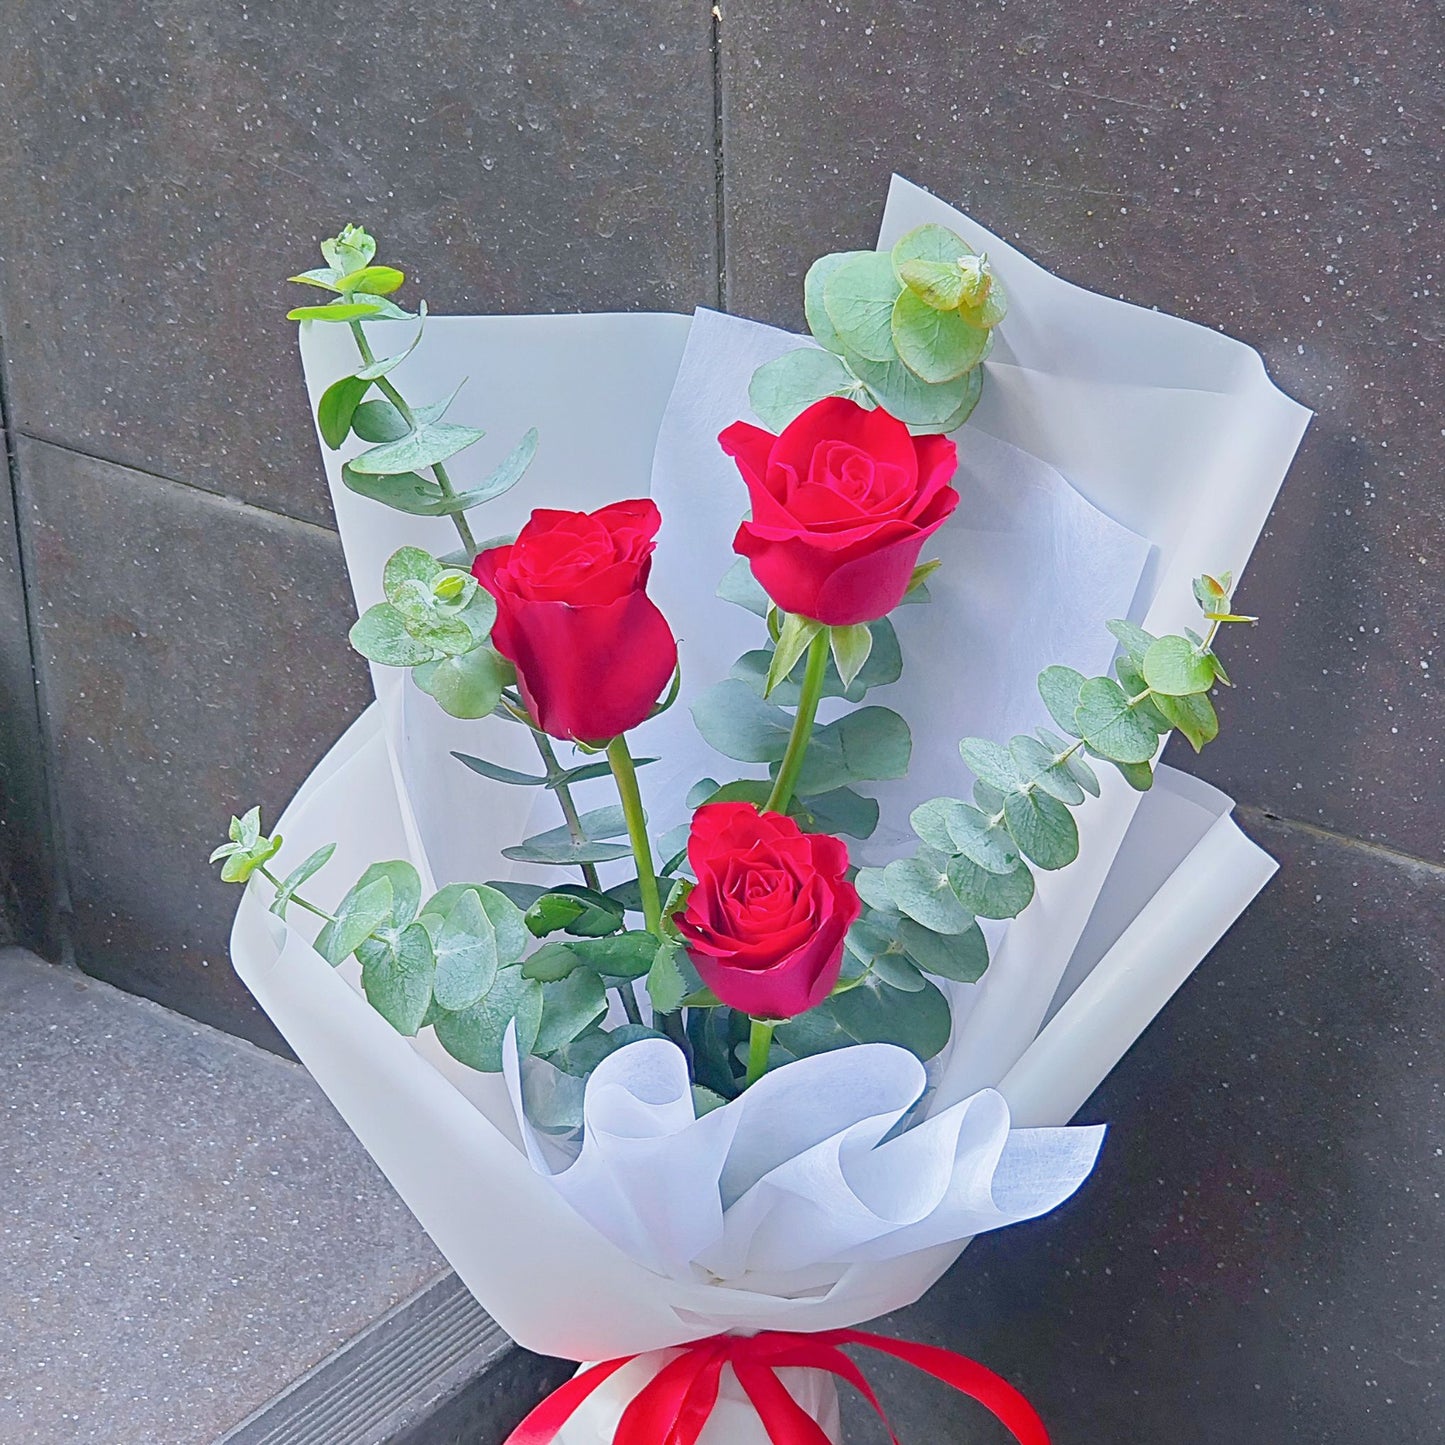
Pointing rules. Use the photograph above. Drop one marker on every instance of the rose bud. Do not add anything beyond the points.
(842, 503)
(764, 924)
(591, 649)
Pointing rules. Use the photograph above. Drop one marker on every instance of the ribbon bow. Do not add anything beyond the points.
(673, 1406)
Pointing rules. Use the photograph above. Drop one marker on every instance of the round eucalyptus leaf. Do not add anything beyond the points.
(1110, 726)
(474, 1036)
(922, 889)
(1043, 828)
(991, 895)
(788, 385)
(936, 346)
(1177, 668)
(468, 685)
(962, 957)
(858, 296)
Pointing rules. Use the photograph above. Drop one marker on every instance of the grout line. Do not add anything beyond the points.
(223, 497)
(56, 912)
(719, 166)
(1345, 840)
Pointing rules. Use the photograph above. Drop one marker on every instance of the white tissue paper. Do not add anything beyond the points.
(1116, 453)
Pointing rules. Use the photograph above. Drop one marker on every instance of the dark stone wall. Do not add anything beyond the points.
(1257, 1254)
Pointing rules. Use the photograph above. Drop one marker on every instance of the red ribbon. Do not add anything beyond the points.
(673, 1406)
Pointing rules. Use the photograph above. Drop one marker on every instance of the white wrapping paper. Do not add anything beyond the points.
(1141, 451)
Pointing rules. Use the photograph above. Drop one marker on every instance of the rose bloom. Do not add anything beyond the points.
(591, 649)
(765, 923)
(842, 504)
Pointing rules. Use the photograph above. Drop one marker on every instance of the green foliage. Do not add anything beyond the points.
(438, 622)
(409, 440)
(247, 849)
(558, 846)
(906, 330)
(976, 858)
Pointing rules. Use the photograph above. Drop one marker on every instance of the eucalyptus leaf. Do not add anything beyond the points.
(973, 389)
(337, 407)
(557, 846)
(983, 841)
(921, 888)
(927, 405)
(962, 957)
(1074, 761)
(742, 589)
(466, 954)
(735, 721)
(936, 346)
(824, 332)
(858, 295)
(1039, 766)
(938, 283)
(397, 971)
(363, 910)
(1133, 639)
(1060, 687)
(1177, 668)
(874, 890)
(788, 385)
(339, 311)
(870, 744)
(383, 365)
(372, 280)
(380, 634)
(298, 875)
(841, 811)
(930, 242)
(379, 421)
(991, 895)
(1194, 716)
(468, 685)
(474, 1036)
(423, 448)
(1110, 726)
(499, 774)
(569, 1007)
(1043, 828)
(873, 1012)
(991, 762)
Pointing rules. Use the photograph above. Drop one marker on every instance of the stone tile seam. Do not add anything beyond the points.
(719, 152)
(1380, 851)
(224, 498)
(55, 912)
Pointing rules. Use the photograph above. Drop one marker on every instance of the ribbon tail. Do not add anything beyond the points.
(966, 1376)
(543, 1424)
(785, 1420)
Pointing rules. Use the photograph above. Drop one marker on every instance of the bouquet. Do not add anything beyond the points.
(758, 847)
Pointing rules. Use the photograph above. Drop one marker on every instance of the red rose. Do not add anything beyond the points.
(843, 502)
(765, 923)
(592, 651)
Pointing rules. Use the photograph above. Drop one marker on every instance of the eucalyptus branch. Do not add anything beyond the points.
(388, 390)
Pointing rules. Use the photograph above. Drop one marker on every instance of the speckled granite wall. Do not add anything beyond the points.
(1258, 1252)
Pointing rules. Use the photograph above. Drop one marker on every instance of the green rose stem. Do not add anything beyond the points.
(469, 542)
(630, 795)
(812, 691)
(760, 1043)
